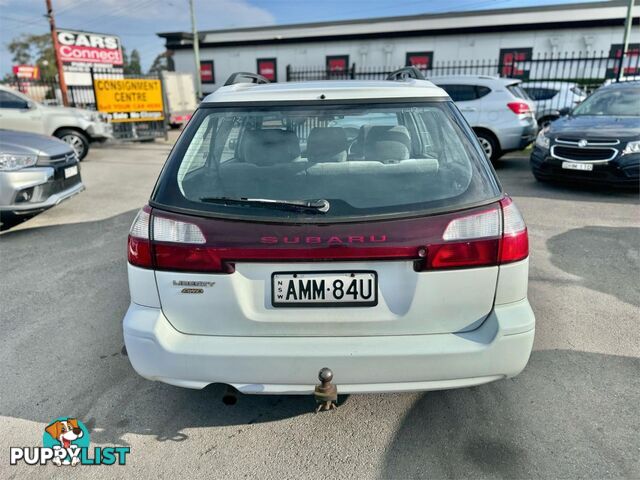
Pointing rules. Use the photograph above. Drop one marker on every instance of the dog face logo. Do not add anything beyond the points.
(69, 434)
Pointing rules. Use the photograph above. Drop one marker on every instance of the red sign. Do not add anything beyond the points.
(513, 61)
(32, 72)
(420, 60)
(337, 63)
(83, 47)
(267, 67)
(206, 72)
(630, 64)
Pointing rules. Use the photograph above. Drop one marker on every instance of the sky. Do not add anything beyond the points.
(138, 21)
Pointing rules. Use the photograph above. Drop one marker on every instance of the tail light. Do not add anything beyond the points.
(515, 239)
(519, 107)
(493, 237)
(482, 237)
(139, 244)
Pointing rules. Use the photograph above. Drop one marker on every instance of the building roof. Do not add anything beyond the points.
(506, 19)
(325, 90)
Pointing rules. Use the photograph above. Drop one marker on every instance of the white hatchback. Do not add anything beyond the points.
(351, 225)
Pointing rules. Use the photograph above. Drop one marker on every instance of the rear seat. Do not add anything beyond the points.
(272, 167)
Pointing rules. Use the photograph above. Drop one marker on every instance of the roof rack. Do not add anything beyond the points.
(254, 77)
(405, 73)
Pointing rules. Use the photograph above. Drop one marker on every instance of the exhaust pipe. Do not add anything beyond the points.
(230, 396)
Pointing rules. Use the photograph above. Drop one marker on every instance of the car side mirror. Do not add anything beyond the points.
(31, 105)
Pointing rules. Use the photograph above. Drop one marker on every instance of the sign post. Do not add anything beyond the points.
(54, 37)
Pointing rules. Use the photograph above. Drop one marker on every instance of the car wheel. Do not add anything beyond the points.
(489, 145)
(77, 140)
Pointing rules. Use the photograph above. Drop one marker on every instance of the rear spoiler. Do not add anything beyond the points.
(405, 73)
(253, 77)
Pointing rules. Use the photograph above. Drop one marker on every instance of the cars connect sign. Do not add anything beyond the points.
(86, 47)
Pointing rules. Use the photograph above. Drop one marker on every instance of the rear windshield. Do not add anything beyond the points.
(357, 160)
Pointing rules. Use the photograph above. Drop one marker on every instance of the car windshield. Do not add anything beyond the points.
(624, 102)
(354, 160)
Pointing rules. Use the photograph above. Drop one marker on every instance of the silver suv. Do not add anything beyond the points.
(500, 112)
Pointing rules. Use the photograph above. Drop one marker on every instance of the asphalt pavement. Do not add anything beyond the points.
(574, 411)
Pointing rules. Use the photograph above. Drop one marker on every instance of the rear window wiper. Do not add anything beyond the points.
(319, 205)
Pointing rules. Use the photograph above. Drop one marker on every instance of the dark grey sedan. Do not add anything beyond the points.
(36, 173)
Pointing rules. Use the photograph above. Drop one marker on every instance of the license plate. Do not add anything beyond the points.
(587, 167)
(70, 171)
(324, 289)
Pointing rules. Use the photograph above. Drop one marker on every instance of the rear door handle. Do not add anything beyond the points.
(468, 109)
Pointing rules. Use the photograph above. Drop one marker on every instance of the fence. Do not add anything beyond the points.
(556, 83)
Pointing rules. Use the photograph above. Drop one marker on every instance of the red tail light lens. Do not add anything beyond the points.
(519, 107)
(467, 254)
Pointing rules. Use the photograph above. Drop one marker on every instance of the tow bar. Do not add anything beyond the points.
(326, 394)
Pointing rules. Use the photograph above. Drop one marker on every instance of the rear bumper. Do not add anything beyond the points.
(499, 348)
(518, 137)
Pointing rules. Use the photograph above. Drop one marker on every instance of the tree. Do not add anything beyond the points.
(134, 63)
(38, 49)
(163, 61)
(131, 63)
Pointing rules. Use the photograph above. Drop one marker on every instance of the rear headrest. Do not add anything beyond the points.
(387, 143)
(327, 144)
(270, 147)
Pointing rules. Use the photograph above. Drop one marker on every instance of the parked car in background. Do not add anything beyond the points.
(305, 246)
(36, 173)
(498, 109)
(181, 97)
(553, 99)
(598, 142)
(75, 126)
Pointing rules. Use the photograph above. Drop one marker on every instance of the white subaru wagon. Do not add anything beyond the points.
(353, 225)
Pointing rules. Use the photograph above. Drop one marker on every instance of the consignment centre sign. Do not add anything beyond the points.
(130, 100)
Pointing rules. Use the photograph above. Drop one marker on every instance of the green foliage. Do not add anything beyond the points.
(163, 61)
(134, 63)
(34, 49)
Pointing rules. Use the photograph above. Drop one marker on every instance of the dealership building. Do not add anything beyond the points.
(428, 40)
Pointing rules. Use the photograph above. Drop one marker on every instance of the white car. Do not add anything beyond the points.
(75, 126)
(553, 99)
(498, 109)
(393, 259)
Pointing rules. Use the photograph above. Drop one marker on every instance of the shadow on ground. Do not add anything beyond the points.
(569, 414)
(587, 253)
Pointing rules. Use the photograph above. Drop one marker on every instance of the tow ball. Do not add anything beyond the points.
(326, 394)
